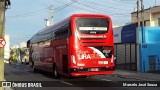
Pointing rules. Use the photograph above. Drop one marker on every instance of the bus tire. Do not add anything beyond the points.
(55, 72)
(33, 66)
(70, 77)
(30, 64)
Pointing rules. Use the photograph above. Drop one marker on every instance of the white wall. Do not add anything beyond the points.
(117, 34)
(7, 47)
(156, 16)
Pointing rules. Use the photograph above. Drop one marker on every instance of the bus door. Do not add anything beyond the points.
(65, 63)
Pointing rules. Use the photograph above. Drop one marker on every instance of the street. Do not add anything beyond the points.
(21, 72)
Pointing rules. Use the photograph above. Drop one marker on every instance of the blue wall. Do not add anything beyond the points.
(149, 46)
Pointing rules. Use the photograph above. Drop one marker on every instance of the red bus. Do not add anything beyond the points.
(81, 45)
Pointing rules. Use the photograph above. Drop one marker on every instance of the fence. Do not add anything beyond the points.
(126, 56)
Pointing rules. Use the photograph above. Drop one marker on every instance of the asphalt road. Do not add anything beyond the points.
(20, 72)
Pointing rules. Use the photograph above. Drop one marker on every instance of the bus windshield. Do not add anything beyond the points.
(92, 25)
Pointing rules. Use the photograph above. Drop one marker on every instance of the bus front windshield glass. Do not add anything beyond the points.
(92, 25)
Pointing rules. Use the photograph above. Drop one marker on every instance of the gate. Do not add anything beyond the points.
(126, 56)
(152, 63)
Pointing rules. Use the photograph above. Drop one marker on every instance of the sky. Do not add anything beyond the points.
(24, 18)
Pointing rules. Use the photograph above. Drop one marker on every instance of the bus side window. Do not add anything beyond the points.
(62, 32)
(69, 31)
(53, 36)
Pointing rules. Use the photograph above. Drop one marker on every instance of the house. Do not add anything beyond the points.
(150, 16)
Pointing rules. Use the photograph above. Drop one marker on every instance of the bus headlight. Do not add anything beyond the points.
(112, 59)
(73, 59)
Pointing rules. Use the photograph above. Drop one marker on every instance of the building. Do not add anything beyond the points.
(23, 45)
(151, 16)
(15, 47)
(142, 53)
(24, 52)
(125, 47)
(7, 47)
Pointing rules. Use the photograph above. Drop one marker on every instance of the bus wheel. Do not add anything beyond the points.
(70, 77)
(33, 66)
(55, 73)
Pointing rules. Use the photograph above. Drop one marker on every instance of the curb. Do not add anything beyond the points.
(130, 77)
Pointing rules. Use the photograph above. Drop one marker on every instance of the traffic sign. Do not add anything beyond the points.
(2, 42)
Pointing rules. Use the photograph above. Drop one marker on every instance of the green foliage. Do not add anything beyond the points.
(11, 52)
(14, 59)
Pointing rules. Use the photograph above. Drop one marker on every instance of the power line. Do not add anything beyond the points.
(41, 11)
(29, 13)
(128, 0)
(122, 1)
(75, 6)
(97, 4)
(66, 5)
(99, 9)
(88, 10)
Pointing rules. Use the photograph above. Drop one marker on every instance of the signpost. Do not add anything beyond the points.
(2, 43)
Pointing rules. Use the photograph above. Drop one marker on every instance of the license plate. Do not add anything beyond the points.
(94, 69)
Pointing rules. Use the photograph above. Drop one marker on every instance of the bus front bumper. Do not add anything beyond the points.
(88, 72)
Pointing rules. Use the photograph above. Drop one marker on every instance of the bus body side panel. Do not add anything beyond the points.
(37, 57)
(61, 54)
(48, 58)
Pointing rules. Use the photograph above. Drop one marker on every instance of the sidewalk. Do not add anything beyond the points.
(136, 75)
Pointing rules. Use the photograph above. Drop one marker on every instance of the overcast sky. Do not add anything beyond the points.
(26, 17)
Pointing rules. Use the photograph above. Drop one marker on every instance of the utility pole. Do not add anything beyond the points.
(155, 2)
(137, 35)
(138, 15)
(142, 12)
(138, 19)
(2, 19)
(52, 15)
(142, 19)
(3, 6)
